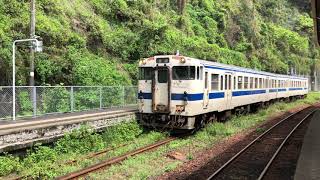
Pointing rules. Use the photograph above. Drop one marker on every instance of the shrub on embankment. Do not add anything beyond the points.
(98, 42)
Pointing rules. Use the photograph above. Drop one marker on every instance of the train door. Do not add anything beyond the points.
(228, 90)
(161, 90)
(206, 90)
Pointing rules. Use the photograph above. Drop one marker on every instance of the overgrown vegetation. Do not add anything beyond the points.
(48, 162)
(98, 42)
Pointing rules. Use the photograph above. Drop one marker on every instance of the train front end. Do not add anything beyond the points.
(164, 85)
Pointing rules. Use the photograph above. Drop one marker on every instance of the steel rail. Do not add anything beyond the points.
(282, 144)
(109, 162)
(249, 145)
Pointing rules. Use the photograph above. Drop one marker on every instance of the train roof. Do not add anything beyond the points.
(221, 66)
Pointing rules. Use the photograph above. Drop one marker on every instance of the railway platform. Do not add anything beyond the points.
(308, 166)
(25, 132)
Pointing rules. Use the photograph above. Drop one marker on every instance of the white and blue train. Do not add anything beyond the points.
(184, 93)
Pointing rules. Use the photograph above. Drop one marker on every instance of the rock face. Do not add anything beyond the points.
(15, 138)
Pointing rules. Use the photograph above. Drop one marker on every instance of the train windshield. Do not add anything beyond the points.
(145, 73)
(183, 73)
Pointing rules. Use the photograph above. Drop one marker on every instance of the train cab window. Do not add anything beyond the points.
(183, 73)
(163, 75)
(221, 83)
(240, 82)
(215, 82)
(251, 83)
(145, 73)
(246, 83)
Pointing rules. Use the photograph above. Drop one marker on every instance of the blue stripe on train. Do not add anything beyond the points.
(190, 97)
(145, 95)
(295, 89)
(246, 93)
(282, 90)
(273, 90)
(217, 95)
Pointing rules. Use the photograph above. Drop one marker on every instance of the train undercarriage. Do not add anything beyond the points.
(163, 121)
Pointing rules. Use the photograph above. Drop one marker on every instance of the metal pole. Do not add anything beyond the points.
(32, 35)
(14, 73)
(14, 81)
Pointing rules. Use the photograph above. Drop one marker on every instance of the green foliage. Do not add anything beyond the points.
(55, 99)
(80, 141)
(99, 42)
(9, 164)
(45, 162)
(25, 103)
(123, 133)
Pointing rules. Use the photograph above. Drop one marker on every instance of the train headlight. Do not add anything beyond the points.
(180, 108)
(142, 62)
(183, 60)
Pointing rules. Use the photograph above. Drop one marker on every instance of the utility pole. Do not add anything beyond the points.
(32, 35)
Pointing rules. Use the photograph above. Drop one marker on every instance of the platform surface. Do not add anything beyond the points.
(61, 115)
(308, 166)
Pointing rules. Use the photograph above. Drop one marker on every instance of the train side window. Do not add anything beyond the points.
(256, 83)
(198, 72)
(215, 82)
(273, 83)
(206, 80)
(221, 83)
(234, 82)
(229, 84)
(225, 82)
(240, 82)
(246, 83)
(266, 83)
(251, 83)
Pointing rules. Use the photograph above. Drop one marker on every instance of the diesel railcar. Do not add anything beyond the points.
(184, 93)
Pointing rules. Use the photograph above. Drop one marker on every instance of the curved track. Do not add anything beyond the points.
(253, 161)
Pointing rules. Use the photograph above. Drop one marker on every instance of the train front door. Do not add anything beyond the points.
(228, 78)
(161, 90)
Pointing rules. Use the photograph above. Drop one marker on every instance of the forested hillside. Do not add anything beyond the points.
(98, 42)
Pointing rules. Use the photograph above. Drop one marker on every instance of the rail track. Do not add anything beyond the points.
(103, 164)
(255, 160)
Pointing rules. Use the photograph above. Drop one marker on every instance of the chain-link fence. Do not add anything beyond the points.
(43, 100)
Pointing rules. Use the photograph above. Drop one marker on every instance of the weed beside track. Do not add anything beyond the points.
(45, 162)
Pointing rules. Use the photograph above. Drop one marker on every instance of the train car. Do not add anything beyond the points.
(184, 93)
